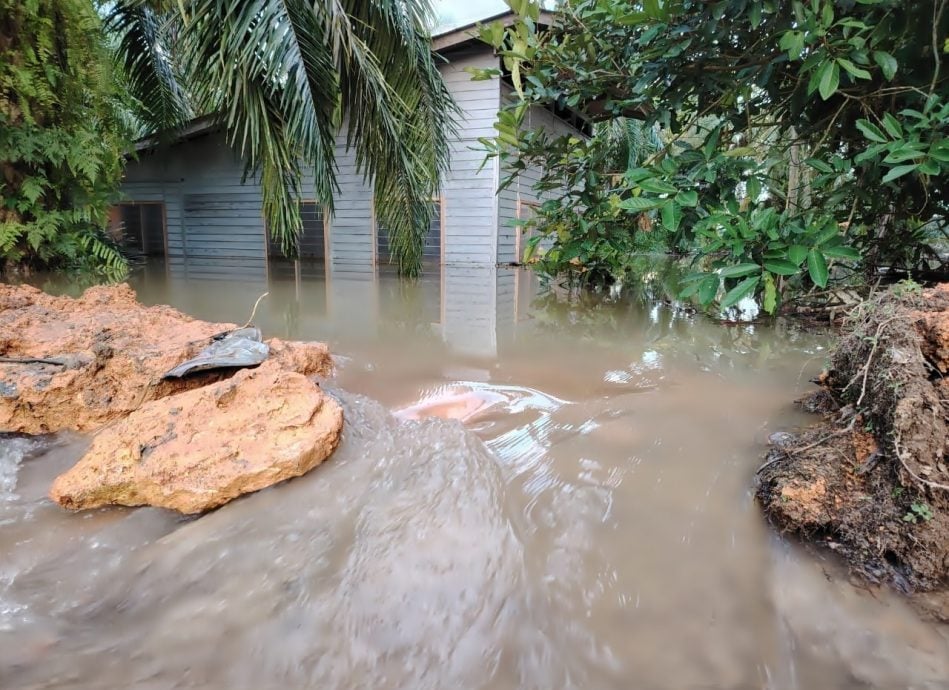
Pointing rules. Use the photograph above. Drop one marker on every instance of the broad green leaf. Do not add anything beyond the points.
(692, 284)
(739, 270)
(886, 62)
(871, 152)
(855, 71)
(915, 114)
(568, 252)
(687, 198)
(940, 151)
(781, 267)
(829, 80)
(708, 288)
(689, 290)
(929, 167)
(754, 189)
(671, 215)
(797, 253)
(770, 297)
(817, 268)
(696, 277)
(755, 14)
(657, 186)
(840, 163)
(827, 233)
(652, 8)
(892, 126)
(634, 175)
(638, 203)
(740, 151)
(711, 143)
(632, 18)
(853, 23)
(841, 252)
(793, 43)
(741, 290)
(819, 165)
(515, 69)
(871, 131)
(899, 171)
(903, 153)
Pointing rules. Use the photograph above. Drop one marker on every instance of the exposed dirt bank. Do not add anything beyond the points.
(871, 479)
(189, 444)
(105, 354)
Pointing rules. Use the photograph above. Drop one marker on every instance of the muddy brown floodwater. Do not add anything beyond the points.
(590, 525)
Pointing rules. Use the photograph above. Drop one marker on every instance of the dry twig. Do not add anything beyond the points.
(31, 360)
(254, 312)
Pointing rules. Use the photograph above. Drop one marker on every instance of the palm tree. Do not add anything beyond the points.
(627, 142)
(282, 77)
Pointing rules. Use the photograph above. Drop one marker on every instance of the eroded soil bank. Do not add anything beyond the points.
(99, 364)
(81, 363)
(870, 480)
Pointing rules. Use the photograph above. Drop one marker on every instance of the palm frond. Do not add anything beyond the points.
(283, 76)
(139, 30)
(286, 74)
(401, 116)
(627, 142)
(265, 68)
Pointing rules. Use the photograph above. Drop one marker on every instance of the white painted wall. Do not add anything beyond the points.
(470, 202)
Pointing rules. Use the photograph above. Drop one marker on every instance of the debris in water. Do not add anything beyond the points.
(236, 349)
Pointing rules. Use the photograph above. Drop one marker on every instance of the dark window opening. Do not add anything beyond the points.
(432, 250)
(310, 243)
(139, 228)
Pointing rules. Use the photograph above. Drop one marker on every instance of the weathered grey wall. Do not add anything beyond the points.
(211, 214)
(468, 190)
(470, 185)
(507, 204)
(351, 226)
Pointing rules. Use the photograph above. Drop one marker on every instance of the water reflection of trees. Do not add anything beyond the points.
(411, 306)
(645, 313)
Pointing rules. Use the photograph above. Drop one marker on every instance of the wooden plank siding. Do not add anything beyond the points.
(211, 214)
(351, 226)
(468, 190)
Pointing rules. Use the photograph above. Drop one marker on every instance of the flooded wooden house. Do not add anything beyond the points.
(187, 200)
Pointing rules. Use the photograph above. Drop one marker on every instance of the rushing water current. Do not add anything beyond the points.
(586, 520)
